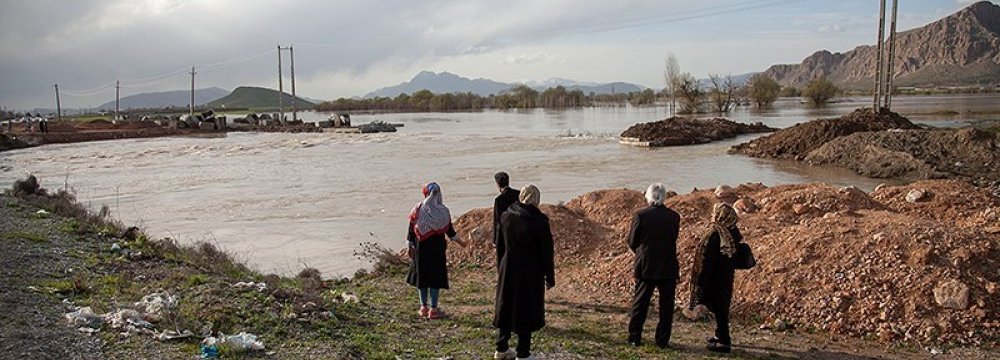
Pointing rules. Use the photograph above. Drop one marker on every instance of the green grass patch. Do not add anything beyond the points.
(23, 235)
(196, 279)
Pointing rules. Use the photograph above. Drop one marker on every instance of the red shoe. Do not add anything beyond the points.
(435, 314)
(424, 310)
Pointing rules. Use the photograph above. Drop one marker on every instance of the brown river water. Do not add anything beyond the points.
(286, 201)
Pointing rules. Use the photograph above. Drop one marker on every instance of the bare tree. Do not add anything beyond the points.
(722, 93)
(691, 94)
(672, 78)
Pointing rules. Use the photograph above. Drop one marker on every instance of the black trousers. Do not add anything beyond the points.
(640, 308)
(719, 306)
(523, 342)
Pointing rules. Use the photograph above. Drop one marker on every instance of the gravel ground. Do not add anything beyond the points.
(34, 254)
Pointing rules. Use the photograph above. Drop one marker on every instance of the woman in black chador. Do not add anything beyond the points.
(713, 272)
(527, 269)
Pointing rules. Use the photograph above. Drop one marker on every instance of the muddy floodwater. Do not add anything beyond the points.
(285, 201)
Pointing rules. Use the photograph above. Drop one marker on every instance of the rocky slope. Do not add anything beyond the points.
(961, 49)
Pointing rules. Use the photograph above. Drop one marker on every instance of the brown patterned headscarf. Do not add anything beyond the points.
(723, 220)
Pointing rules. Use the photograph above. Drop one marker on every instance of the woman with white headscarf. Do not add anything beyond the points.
(527, 269)
(430, 221)
(713, 273)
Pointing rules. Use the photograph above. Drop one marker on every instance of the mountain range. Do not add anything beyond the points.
(446, 82)
(179, 98)
(959, 50)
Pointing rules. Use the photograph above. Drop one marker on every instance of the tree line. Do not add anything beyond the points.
(518, 97)
(687, 95)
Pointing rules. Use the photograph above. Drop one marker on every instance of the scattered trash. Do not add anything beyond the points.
(344, 298)
(85, 316)
(115, 248)
(171, 335)
(209, 348)
(42, 212)
(87, 330)
(259, 286)
(349, 298)
(244, 340)
(122, 317)
(155, 303)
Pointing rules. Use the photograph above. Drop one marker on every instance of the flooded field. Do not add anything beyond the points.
(291, 200)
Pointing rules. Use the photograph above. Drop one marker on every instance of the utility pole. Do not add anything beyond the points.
(889, 73)
(191, 106)
(58, 105)
(281, 108)
(878, 62)
(291, 54)
(117, 94)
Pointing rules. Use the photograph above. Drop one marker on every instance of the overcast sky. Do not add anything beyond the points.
(348, 48)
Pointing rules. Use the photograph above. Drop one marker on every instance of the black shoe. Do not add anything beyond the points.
(719, 348)
(635, 343)
(664, 346)
(712, 339)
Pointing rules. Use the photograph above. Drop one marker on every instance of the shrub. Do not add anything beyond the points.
(820, 91)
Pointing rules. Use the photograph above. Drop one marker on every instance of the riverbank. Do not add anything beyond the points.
(98, 130)
(63, 259)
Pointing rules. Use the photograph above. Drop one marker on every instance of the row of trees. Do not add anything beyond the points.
(721, 94)
(518, 97)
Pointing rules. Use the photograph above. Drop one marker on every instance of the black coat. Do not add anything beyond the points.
(653, 239)
(502, 202)
(528, 261)
(717, 274)
(429, 266)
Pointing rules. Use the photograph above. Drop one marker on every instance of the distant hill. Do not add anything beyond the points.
(179, 98)
(256, 97)
(446, 82)
(961, 49)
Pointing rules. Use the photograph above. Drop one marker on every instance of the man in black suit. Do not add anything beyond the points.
(504, 200)
(653, 239)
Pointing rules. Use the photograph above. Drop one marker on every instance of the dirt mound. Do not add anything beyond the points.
(98, 124)
(136, 125)
(797, 141)
(613, 208)
(830, 259)
(678, 131)
(954, 153)
(572, 239)
(61, 127)
(944, 200)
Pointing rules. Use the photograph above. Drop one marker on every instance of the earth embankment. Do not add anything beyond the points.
(914, 263)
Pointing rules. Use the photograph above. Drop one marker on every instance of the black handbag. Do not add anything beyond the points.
(743, 259)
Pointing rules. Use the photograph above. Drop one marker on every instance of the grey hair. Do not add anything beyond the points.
(655, 194)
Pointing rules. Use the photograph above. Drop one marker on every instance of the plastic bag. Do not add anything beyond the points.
(85, 316)
(243, 340)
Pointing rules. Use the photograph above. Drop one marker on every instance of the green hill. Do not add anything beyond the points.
(257, 97)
